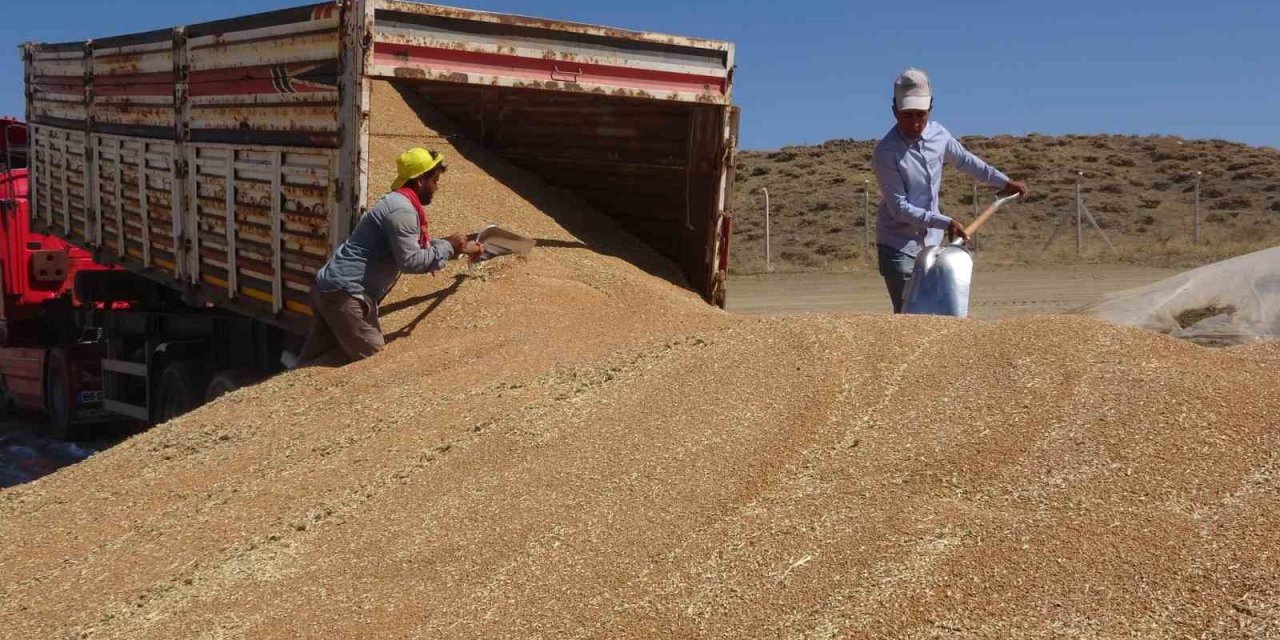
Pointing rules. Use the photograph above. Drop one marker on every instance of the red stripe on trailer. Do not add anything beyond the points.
(294, 78)
(323, 12)
(469, 62)
(134, 84)
(62, 82)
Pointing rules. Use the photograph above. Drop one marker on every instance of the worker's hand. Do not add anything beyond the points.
(472, 248)
(956, 230)
(1013, 187)
(457, 240)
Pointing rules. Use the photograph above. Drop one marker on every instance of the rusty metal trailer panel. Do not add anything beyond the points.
(228, 159)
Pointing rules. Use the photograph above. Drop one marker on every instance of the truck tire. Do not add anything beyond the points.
(56, 402)
(181, 389)
(227, 381)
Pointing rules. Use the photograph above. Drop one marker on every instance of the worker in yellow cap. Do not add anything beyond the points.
(392, 238)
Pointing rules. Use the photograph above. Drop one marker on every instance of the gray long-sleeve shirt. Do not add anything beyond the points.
(909, 173)
(383, 245)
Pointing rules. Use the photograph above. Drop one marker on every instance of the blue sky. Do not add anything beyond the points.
(810, 71)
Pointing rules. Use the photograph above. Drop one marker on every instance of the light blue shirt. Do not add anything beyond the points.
(383, 245)
(909, 173)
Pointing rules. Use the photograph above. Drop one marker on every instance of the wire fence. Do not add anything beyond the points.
(1077, 215)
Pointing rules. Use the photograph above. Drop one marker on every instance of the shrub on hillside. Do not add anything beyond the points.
(1236, 166)
(1233, 202)
(801, 258)
(1165, 155)
(1116, 160)
(1106, 206)
(1252, 174)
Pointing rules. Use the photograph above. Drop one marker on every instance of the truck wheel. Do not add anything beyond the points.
(182, 386)
(227, 381)
(55, 399)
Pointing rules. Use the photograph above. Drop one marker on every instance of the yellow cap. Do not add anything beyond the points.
(414, 163)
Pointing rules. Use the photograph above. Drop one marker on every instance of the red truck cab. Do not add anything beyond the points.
(45, 364)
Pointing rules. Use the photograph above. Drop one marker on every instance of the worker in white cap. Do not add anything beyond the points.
(908, 164)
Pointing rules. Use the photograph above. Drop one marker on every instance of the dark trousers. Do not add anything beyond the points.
(896, 268)
(344, 328)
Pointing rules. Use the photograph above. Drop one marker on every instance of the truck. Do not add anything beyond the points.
(45, 366)
(216, 166)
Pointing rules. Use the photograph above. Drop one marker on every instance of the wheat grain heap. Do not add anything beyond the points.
(570, 445)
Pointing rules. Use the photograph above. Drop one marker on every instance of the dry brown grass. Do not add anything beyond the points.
(1139, 188)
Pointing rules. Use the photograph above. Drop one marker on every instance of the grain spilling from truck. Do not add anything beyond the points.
(221, 163)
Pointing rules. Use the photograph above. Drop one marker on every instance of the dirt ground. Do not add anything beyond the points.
(998, 292)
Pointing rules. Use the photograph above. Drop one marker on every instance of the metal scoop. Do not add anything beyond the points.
(500, 242)
(943, 274)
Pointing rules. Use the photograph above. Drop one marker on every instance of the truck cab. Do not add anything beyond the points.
(47, 362)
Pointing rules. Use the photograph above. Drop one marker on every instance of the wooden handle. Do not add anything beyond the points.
(986, 213)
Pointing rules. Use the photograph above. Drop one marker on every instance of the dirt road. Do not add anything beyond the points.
(998, 292)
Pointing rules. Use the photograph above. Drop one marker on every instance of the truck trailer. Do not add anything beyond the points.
(218, 165)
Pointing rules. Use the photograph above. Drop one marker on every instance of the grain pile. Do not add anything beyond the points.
(570, 446)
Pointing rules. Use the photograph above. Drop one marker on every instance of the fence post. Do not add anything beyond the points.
(1079, 204)
(974, 239)
(1196, 232)
(866, 217)
(768, 257)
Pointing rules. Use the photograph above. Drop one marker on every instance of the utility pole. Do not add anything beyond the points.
(1197, 219)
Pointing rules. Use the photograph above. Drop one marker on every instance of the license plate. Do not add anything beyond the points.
(90, 396)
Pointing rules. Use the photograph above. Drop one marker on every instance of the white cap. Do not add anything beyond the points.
(911, 91)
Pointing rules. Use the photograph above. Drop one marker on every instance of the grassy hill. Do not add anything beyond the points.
(1140, 190)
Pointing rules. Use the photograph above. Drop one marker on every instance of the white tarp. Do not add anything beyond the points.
(1230, 302)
